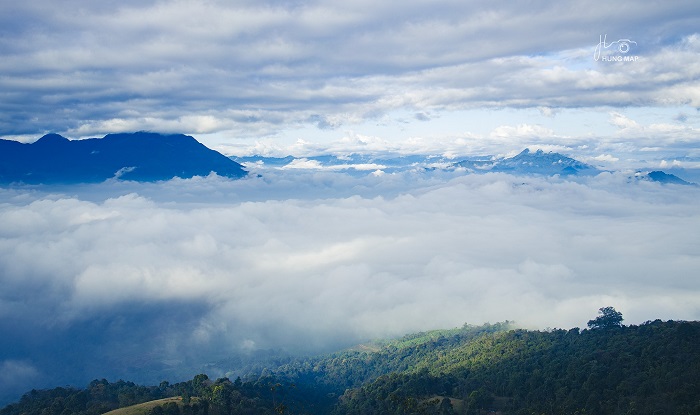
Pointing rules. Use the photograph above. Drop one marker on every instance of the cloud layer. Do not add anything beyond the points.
(140, 279)
(251, 69)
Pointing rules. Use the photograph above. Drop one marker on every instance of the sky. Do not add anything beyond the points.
(129, 280)
(301, 77)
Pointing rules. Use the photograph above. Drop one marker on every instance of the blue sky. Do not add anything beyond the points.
(466, 76)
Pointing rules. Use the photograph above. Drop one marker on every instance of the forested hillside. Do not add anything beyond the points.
(647, 369)
(653, 368)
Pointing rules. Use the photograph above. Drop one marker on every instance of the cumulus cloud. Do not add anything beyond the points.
(622, 122)
(256, 69)
(605, 158)
(521, 131)
(304, 164)
(147, 278)
(666, 164)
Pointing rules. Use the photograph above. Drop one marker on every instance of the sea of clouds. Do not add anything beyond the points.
(129, 280)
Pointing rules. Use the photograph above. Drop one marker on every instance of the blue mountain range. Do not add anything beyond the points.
(146, 156)
(141, 156)
(527, 162)
(662, 177)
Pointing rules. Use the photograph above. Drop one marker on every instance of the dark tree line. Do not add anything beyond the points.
(653, 368)
(98, 397)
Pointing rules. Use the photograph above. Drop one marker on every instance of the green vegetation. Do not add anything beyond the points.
(98, 397)
(647, 369)
(609, 318)
(146, 408)
(653, 368)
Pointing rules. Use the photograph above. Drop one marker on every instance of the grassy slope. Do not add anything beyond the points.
(143, 408)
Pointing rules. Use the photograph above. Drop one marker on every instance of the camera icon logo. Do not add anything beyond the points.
(621, 45)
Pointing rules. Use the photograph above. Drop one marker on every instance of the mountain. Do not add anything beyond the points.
(662, 177)
(647, 369)
(652, 368)
(140, 156)
(527, 162)
(354, 164)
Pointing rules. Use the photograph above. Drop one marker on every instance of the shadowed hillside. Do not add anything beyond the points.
(653, 368)
(128, 156)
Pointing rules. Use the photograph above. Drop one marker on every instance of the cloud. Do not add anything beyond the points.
(622, 122)
(666, 164)
(673, 136)
(304, 164)
(522, 130)
(605, 158)
(16, 376)
(133, 277)
(547, 111)
(263, 69)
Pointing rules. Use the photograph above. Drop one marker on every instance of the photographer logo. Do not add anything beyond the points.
(616, 51)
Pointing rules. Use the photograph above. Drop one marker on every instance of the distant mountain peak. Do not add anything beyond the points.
(527, 151)
(539, 162)
(52, 138)
(662, 177)
(147, 135)
(141, 156)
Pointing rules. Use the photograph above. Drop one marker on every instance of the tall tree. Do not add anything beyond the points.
(608, 318)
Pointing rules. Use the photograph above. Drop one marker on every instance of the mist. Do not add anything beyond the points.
(153, 281)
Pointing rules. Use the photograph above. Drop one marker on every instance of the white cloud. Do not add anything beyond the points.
(521, 131)
(666, 164)
(255, 70)
(623, 122)
(327, 267)
(303, 163)
(547, 111)
(605, 158)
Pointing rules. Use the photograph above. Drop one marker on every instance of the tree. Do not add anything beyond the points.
(446, 407)
(608, 318)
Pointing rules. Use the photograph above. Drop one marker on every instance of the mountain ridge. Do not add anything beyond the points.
(608, 368)
(662, 177)
(139, 156)
(527, 163)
